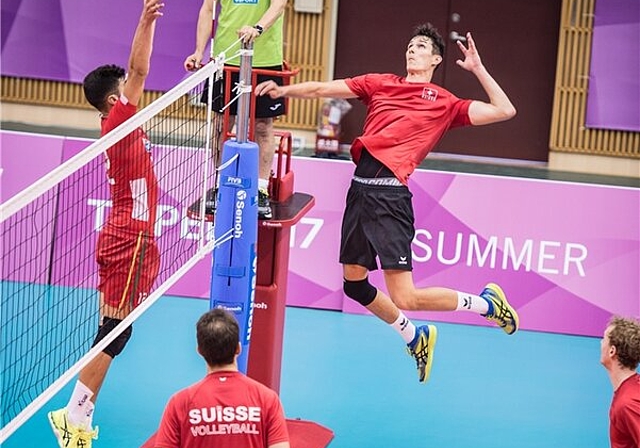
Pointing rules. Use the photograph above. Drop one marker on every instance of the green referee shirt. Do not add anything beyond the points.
(234, 14)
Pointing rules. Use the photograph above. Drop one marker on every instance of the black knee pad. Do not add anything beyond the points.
(361, 291)
(117, 345)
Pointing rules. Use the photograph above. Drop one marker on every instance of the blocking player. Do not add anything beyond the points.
(127, 255)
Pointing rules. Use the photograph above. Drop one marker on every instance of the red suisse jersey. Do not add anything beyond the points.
(133, 184)
(223, 410)
(624, 415)
(404, 120)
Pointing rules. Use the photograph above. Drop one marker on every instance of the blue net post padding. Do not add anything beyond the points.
(233, 279)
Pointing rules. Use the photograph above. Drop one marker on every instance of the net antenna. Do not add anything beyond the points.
(48, 231)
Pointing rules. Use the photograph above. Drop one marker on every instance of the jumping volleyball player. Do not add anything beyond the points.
(127, 255)
(406, 117)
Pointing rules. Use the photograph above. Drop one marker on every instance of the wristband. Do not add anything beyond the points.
(259, 28)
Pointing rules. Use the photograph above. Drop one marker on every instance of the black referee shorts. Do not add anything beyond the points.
(265, 106)
(378, 221)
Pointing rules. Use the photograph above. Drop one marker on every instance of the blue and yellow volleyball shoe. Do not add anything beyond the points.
(421, 348)
(500, 311)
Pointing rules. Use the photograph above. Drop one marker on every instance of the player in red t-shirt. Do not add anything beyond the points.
(126, 252)
(406, 117)
(226, 409)
(620, 355)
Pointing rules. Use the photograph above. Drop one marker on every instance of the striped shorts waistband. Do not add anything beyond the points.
(382, 181)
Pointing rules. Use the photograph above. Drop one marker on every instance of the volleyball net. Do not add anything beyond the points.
(48, 298)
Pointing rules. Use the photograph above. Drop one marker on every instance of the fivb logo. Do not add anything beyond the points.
(241, 200)
(236, 182)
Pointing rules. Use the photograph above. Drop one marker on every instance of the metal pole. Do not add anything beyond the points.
(244, 102)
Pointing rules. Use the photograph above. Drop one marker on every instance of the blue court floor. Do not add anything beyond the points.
(351, 374)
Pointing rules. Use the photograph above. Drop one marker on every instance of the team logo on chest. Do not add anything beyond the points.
(429, 94)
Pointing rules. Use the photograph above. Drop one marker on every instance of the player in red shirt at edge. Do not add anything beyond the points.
(225, 409)
(620, 356)
(126, 252)
(406, 117)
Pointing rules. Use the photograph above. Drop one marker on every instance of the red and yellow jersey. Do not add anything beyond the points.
(133, 183)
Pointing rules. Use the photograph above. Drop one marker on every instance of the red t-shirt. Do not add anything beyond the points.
(225, 410)
(404, 120)
(624, 415)
(133, 184)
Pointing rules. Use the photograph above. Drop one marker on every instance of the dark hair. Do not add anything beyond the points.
(100, 83)
(428, 30)
(217, 333)
(625, 337)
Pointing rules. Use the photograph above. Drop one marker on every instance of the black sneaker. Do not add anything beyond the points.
(264, 205)
(193, 211)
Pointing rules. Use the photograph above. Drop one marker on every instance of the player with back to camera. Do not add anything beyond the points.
(620, 356)
(226, 409)
(126, 252)
(406, 117)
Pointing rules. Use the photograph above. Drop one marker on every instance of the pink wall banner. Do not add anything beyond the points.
(566, 254)
(24, 158)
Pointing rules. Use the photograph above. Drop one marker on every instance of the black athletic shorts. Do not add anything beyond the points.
(378, 221)
(265, 106)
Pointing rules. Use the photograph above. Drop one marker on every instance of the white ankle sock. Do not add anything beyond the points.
(263, 184)
(472, 302)
(88, 414)
(404, 327)
(78, 404)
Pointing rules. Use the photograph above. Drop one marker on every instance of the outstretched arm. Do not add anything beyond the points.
(499, 107)
(140, 57)
(311, 89)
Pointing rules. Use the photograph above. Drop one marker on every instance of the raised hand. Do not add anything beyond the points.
(152, 9)
(471, 60)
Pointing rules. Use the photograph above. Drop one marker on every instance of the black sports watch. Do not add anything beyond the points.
(259, 28)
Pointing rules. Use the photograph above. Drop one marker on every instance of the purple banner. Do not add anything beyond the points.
(63, 40)
(613, 100)
(567, 255)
